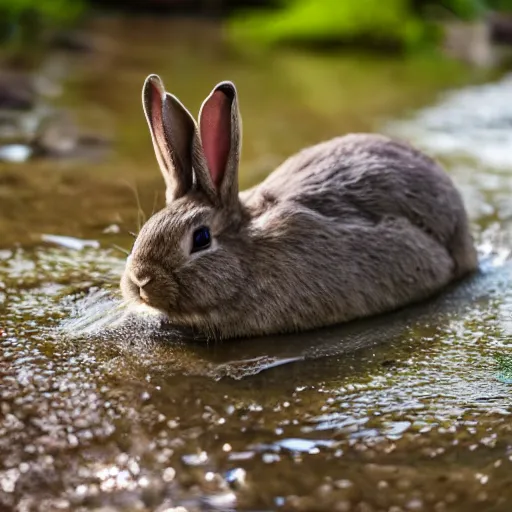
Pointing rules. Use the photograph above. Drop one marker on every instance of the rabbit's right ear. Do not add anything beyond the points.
(220, 131)
(172, 129)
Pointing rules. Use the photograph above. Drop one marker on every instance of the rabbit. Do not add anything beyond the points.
(351, 227)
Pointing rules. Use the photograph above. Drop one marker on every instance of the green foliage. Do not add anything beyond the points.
(462, 9)
(55, 10)
(500, 5)
(399, 23)
(21, 21)
(389, 22)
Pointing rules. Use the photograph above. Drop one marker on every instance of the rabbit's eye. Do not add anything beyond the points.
(201, 239)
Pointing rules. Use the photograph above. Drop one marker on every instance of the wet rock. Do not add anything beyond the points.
(70, 242)
(58, 136)
(342, 506)
(73, 41)
(18, 91)
(501, 28)
(112, 229)
(470, 42)
(236, 478)
(31, 128)
(482, 43)
(15, 153)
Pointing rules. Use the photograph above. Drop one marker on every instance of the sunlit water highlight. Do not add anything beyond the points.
(409, 411)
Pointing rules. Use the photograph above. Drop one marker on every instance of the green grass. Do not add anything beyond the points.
(500, 5)
(21, 21)
(56, 10)
(385, 22)
(365, 23)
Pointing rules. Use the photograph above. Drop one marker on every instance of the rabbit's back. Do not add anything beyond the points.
(352, 227)
(367, 178)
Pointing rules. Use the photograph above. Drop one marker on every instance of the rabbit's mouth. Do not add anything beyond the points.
(147, 290)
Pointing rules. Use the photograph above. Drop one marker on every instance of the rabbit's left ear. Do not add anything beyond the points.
(172, 130)
(220, 131)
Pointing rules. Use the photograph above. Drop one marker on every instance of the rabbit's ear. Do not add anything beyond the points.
(172, 129)
(220, 129)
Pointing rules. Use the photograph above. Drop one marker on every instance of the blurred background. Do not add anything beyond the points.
(75, 156)
(115, 422)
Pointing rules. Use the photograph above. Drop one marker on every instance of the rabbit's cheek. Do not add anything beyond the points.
(129, 289)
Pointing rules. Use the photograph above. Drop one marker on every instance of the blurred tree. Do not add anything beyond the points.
(500, 5)
(21, 20)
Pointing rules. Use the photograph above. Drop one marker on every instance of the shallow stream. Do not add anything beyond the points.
(407, 412)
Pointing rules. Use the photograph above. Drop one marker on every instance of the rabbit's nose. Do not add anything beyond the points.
(141, 284)
(144, 297)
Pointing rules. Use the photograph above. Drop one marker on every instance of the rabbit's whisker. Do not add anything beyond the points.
(141, 216)
(121, 249)
(155, 201)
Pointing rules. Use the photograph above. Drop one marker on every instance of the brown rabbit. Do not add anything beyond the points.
(348, 228)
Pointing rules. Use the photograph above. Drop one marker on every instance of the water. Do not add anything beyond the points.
(409, 411)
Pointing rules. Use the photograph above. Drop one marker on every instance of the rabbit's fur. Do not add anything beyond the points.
(351, 227)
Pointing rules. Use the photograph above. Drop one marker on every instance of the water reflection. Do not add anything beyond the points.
(475, 122)
(408, 410)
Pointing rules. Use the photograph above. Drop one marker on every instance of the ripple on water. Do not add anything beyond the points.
(473, 121)
(92, 422)
(406, 412)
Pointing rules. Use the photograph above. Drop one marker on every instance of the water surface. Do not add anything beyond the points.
(410, 411)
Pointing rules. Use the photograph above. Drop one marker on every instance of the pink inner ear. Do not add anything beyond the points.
(216, 134)
(156, 116)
